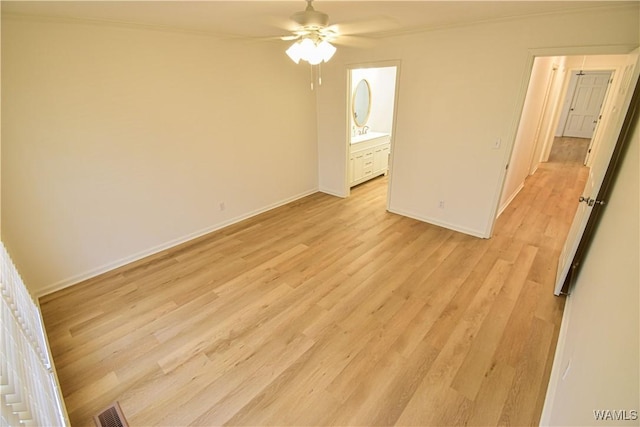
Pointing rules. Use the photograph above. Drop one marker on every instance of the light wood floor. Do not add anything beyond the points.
(326, 312)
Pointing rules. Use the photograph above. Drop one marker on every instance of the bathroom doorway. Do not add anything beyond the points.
(372, 99)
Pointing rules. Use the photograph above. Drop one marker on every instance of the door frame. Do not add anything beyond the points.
(394, 125)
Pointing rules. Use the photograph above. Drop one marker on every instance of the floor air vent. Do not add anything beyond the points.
(111, 417)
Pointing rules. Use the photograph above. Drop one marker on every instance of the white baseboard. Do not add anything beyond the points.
(439, 223)
(509, 200)
(332, 192)
(54, 287)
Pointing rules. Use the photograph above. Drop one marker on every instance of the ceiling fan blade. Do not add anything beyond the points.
(370, 26)
(354, 41)
(281, 23)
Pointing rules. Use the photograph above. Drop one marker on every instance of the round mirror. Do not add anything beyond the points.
(361, 103)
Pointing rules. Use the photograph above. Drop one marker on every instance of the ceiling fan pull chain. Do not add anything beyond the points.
(319, 74)
(311, 74)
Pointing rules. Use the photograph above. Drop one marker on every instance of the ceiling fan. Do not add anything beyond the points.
(313, 36)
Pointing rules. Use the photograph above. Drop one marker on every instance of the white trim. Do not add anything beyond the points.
(556, 368)
(439, 223)
(332, 192)
(64, 283)
(54, 373)
(510, 199)
(384, 63)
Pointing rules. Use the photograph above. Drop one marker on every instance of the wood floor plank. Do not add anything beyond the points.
(379, 344)
(479, 359)
(520, 406)
(151, 391)
(326, 311)
(436, 385)
(362, 404)
(492, 395)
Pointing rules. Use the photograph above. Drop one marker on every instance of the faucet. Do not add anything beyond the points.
(365, 130)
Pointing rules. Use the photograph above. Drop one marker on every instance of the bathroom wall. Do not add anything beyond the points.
(382, 83)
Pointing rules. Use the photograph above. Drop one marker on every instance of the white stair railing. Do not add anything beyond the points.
(29, 391)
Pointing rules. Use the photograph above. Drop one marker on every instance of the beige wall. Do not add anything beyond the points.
(526, 136)
(0, 177)
(460, 89)
(596, 364)
(118, 142)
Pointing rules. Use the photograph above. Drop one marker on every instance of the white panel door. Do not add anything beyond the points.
(598, 169)
(586, 104)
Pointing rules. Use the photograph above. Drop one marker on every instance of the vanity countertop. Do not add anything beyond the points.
(367, 136)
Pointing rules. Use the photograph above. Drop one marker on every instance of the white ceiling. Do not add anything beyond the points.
(267, 18)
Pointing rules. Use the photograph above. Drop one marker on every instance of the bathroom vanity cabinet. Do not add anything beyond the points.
(368, 157)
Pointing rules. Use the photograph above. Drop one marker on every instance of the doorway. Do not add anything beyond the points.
(372, 99)
(549, 98)
(582, 108)
(608, 123)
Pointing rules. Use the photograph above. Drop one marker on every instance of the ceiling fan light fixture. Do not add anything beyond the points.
(326, 50)
(312, 52)
(295, 52)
